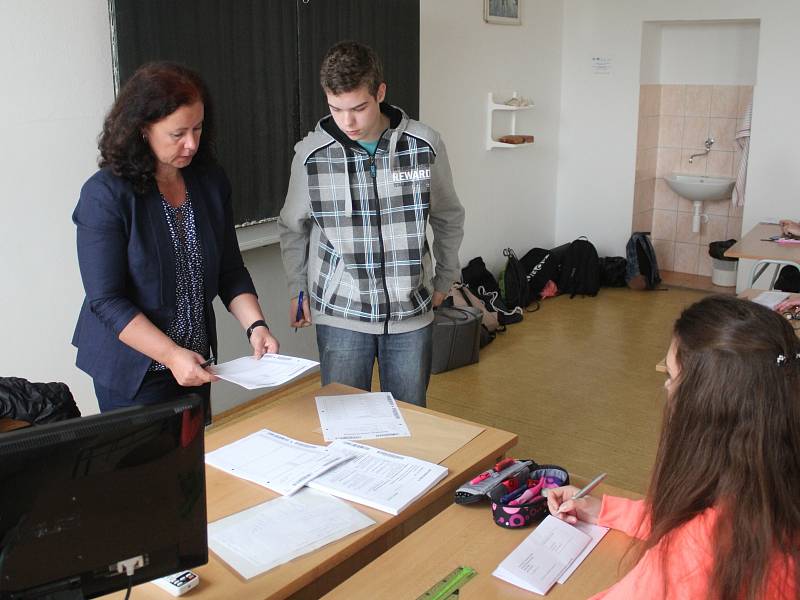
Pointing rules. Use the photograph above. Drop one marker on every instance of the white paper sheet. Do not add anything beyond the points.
(377, 478)
(596, 533)
(360, 417)
(275, 461)
(770, 299)
(271, 370)
(538, 562)
(270, 534)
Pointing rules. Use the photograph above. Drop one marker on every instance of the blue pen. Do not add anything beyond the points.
(299, 314)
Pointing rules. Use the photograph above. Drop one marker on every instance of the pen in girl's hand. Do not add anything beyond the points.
(587, 488)
(207, 363)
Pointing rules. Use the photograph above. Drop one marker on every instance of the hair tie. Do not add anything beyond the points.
(782, 360)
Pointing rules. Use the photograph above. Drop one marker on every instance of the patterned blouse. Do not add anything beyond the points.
(188, 328)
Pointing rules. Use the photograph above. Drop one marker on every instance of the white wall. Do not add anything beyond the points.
(57, 84)
(598, 113)
(509, 194)
(702, 53)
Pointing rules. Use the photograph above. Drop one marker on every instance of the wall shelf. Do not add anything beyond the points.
(492, 105)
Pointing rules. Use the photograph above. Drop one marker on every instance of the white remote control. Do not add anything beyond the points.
(178, 583)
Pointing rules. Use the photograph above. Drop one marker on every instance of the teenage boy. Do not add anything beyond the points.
(363, 188)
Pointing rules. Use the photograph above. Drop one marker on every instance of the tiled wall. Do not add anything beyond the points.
(674, 122)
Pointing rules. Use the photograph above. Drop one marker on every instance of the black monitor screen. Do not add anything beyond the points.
(78, 496)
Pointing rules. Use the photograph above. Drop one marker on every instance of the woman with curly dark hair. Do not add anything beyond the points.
(721, 519)
(156, 245)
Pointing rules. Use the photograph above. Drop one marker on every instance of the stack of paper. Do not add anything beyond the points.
(360, 417)
(275, 461)
(268, 371)
(771, 298)
(377, 478)
(275, 532)
(549, 554)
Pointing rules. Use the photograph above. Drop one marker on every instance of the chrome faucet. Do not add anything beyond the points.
(709, 142)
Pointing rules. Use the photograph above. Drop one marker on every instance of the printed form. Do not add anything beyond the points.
(275, 461)
(377, 478)
(269, 371)
(537, 563)
(260, 538)
(360, 417)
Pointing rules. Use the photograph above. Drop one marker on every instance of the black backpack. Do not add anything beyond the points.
(580, 269)
(642, 272)
(515, 280)
(541, 266)
(612, 271)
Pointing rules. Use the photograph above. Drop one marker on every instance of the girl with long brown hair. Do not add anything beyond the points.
(721, 517)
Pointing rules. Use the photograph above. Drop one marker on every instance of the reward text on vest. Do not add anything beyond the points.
(411, 175)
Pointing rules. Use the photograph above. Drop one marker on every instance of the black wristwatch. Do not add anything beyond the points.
(259, 323)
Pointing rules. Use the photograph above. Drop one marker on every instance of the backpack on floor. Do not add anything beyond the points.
(642, 272)
(515, 282)
(483, 284)
(612, 271)
(580, 269)
(541, 266)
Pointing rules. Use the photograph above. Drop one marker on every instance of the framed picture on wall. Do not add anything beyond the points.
(502, 12)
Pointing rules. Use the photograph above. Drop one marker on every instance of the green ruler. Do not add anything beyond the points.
(449, 585)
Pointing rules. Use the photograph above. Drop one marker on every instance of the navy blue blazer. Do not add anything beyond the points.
(127, 264)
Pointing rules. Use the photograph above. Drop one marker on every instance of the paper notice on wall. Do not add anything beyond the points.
(601, 65)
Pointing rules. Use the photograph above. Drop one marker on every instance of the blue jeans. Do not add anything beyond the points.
(157, 386)
(404, 360)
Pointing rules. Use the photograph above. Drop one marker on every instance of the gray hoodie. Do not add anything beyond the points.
(353, 228)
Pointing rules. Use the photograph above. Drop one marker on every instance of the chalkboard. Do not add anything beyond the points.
(260, 60)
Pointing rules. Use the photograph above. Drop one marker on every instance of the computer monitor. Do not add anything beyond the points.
(77, 497)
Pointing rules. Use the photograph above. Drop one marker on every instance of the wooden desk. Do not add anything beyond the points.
(766, 254)
(12, 424)
(435, 437)
(467, 536)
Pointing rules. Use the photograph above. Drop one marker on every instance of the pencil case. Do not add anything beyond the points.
(505, 510)
(479, 487)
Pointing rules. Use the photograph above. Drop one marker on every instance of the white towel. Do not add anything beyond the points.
(743, 139)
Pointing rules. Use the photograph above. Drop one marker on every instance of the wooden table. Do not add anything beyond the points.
(436, 437)
(12, 424)
(467, 536)
(752, 246)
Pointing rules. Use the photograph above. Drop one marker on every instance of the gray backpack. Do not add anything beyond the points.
(642, 271)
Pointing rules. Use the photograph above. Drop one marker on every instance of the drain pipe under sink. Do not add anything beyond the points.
(698, 216)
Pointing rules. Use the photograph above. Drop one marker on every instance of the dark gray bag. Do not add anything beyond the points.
(456, 337)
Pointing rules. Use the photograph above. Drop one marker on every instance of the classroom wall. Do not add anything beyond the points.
(723, 53)
(509, 194)
(56, 65)
(599, 112)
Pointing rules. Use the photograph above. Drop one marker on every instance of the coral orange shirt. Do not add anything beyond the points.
(689, 563)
